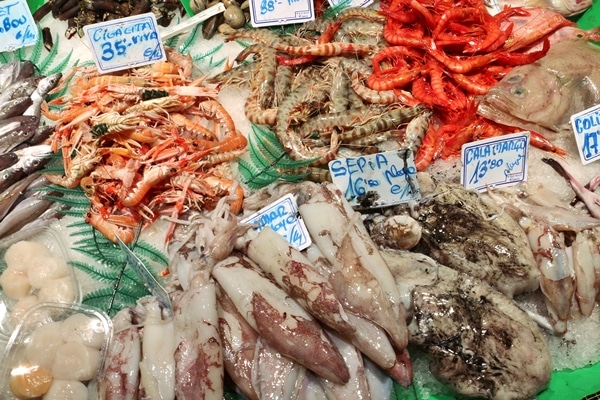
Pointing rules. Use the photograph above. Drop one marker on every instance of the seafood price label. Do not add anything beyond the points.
(17, 27)
(280, 12)
(377, 180)
(586, 127)
(125, 43)
(498, 161)
(282, 216)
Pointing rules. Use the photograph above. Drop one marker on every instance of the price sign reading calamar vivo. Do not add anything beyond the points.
(125, 43)
(586, 127)
(498, 161)
(280, 12)
(377, 180)
(282, 216)
(17, 27)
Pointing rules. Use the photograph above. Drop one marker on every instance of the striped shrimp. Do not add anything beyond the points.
(264, 76)
(256, 114)
(325, 49)
(283, 83)
(415, 131)
(339, 87)
(386, 121)
(346, 119)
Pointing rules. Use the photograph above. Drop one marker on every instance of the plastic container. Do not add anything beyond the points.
(56, 352)
(34, 268)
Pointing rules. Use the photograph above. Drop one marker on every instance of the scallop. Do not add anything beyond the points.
(66, 390)
(75, 361)
(46, 268)
(20, 254)
(84, 329)
(43, 345)
(21, 307)
(234, 17)
(15, 284)
(30, 381)
(61, 290)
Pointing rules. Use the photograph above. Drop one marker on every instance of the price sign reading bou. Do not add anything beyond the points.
(125, 43)
(17, 27)
(498, 161)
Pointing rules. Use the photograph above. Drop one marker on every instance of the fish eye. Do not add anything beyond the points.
(518, 91)
(514, 79)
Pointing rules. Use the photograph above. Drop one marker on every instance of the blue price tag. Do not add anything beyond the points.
(498, 161)
(125, 43)
(586, 127)
(280, 12)
(377, 180)
(17, 27)
(282, 216)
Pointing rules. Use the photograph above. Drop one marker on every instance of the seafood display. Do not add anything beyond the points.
(133, 175)
(151, 172)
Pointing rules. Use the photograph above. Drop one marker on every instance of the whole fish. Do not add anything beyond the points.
(10, 124)
(567, 8)
(44, 86)
(23, 88)
(13, 194)
(542, 96)
(8, 160)
(12, 108)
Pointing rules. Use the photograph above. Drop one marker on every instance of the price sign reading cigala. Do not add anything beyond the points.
(17, 27)
(125, 43)
(498, 161)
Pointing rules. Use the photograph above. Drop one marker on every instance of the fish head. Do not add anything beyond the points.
(529, 97)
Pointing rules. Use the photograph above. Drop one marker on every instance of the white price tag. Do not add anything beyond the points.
(586, 127)
(282, 216)
(377, 180)
(498, 161)
(280, 12)
(125, 43)
(17, 27)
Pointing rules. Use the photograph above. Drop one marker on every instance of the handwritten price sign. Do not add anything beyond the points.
(17, 27)
(282, 216)
(499, 161)
(125, 43)
(378, 179)
(279, 12)
(586, 127)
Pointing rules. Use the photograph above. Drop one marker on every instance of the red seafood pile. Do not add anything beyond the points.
(445, 53)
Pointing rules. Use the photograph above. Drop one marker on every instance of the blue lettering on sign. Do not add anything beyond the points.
(590, 144)
(389, 176)
(125, 42)
(17, 28)
(495, 161)
(283, 218)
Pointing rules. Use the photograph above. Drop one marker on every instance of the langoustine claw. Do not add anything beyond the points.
(277, 318)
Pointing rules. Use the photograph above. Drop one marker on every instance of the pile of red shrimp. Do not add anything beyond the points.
(445, 53)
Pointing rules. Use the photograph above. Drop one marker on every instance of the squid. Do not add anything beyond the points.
(586, 264)
(157, 368)
(359, 275)
(198, 357)
(121, 370)
(279, 319)
(293, 272)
